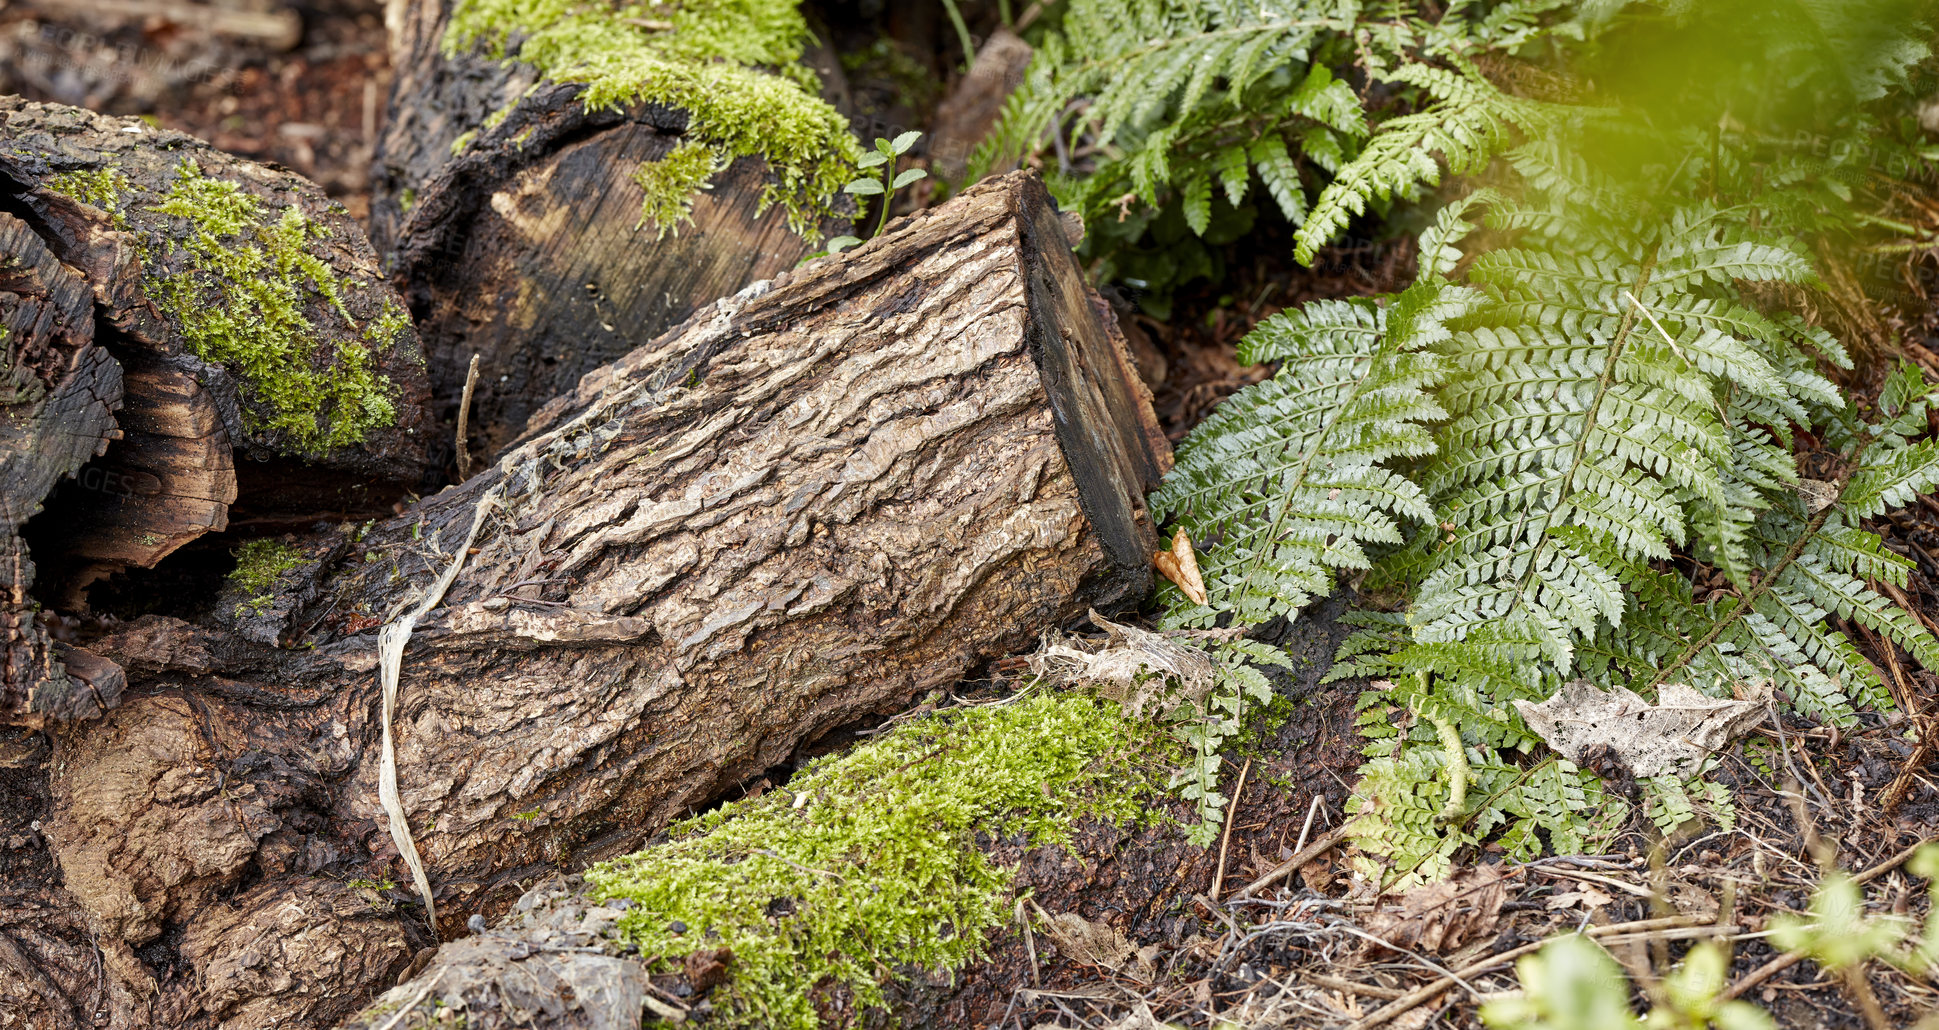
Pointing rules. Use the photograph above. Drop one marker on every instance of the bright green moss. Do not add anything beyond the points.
(258, 564)
(671, 182)
(730, 64)
(102, 187)
(464, 140)
(240, 304)
(867, 863)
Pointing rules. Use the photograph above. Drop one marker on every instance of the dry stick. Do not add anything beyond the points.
(464, 418)
(1607, 881)
(1225, 840)
(390, 661)
(1300, 858)
(1306, 828)
(1030, 945)
(1364, 990)
(405, 1009)
(1422, 995)
(1792, 958)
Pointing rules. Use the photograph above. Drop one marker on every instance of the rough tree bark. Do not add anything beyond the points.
(118, 437)
(803, 507)
(524, 248)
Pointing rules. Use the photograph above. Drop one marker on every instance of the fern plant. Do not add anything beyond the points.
(1569, 449)
(1534, 440)
(1162, 120)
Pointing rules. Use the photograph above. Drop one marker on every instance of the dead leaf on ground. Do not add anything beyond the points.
(1588, 899)
(1692, 900)
(1671, 737)
(707, 967)
(1317, 874)
(1148, 673)
(1098, 944)
(1141, 1018)
(1440, 917)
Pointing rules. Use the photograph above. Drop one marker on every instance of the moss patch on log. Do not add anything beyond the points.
(104, 188)
(732, 65)
(241, 304)
(868, 863)
(259, 563)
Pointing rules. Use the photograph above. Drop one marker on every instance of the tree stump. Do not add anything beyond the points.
(510, 211)
(805, 506)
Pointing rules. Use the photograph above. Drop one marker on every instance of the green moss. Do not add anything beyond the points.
(867, 863)
(102, 187)
(671, 182)
(732, 65)
(241, 304)
(258, 565)
(464, 140)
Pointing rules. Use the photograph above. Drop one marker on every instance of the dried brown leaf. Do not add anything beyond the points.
(1440, 917)
(1670, 737)
(1148, 673)
(1180, 565)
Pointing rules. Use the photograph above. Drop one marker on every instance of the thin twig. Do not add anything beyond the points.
(406, 1008)
(464, 420)
(1030, 945)
(1300, 858)
(1792, 958)
(1225, 840)
(1364, 990)
(391, 641)
(1306, 829)
(1607, 881)
(1420, 996)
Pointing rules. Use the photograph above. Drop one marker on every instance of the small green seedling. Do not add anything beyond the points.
(880, 185)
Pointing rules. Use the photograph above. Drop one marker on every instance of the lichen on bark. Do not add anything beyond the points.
(732, 65)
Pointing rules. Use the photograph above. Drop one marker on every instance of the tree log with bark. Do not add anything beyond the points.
(803, 507)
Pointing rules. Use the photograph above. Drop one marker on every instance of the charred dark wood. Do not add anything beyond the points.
(525, 247)
(803, 507)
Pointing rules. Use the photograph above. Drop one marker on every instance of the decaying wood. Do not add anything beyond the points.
(119, 444)
(58, 392)
(526, 246)
(805, 506)
(551, 962)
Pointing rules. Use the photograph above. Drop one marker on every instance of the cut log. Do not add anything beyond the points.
(803, 507)
(521, 240)
(213, 306)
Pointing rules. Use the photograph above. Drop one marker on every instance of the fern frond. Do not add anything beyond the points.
(1471, 123)
(1290, 480)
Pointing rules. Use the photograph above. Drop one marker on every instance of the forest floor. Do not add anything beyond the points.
(1323, 948)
